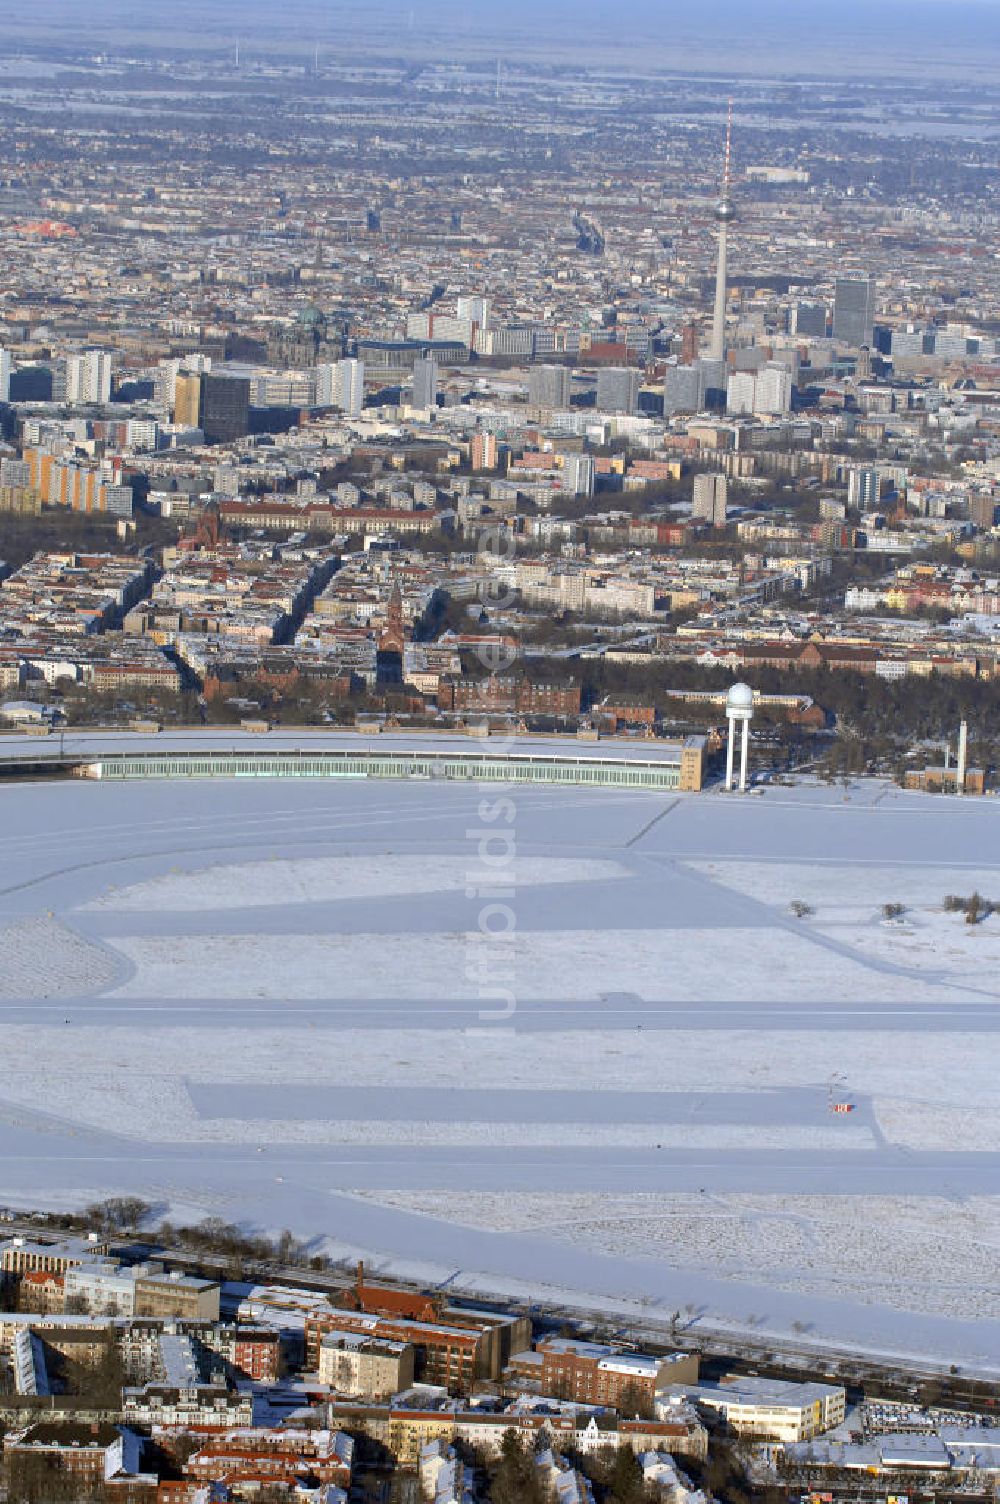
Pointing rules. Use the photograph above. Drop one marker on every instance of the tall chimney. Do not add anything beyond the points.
(963, 748)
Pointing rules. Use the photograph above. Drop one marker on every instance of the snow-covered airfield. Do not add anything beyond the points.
(271, 1000)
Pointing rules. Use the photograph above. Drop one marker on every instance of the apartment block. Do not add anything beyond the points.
(709, 499)
(447, 1355)
(21, 1256)
(374, 1367)
(175, 1295)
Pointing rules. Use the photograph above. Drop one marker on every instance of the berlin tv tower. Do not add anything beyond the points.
(725, 214)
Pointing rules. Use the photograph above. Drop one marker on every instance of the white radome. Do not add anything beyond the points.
(739, 702)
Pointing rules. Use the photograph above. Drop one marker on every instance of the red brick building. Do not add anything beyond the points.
(593, 1374)
(625, 710)
(390, 1300)
(177, 1491)
(509, 694)
(250, 1460)
(448, 1355)
(256, 1353)
(454, 1344)
(280, 673)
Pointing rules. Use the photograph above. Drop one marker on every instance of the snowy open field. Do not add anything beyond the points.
(273, 1001)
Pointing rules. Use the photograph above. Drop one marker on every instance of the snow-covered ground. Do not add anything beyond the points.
(39, 957)
(578, 1043)
(706, 966)
(241, 885)
(861, 1247)
(847, 903)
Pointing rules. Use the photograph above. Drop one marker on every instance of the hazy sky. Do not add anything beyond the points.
(784, 36)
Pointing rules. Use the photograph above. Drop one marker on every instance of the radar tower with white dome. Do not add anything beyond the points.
(739, 708)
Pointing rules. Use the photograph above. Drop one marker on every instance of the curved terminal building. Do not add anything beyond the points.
(220, 754)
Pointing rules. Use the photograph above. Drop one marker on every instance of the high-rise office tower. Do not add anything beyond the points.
(100, 368)
(475, 309)
(854, 310)
(76, 379)
(88, 376)
(578, 474)
(548, 386)
(165, 383)
(325, 375)
(187, 399)
(225, 408)
(709, 500)
(483, 453)
(349, 386)
(741, 391)
(5, 368)
(683, 390)
(59, 380)
(425, 382)
(864, 488)
(810, 320)
(983, 510)
(773, 389)
(725, 214)
(33, 383)
(617, 389)
(167, 372)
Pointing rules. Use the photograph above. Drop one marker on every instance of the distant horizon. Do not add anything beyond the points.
(889, 38)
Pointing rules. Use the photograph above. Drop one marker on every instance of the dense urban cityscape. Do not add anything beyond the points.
(447, 457)
(474, 369)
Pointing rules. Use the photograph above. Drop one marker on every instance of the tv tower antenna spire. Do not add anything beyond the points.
(727, 159)
(724, 214)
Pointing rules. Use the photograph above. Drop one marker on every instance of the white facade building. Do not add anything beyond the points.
(578, 474)
(769, 1409)
(740, 393)
(88, 376)
(341, 383)
(709, 499)
(773, 390)
(475, 309)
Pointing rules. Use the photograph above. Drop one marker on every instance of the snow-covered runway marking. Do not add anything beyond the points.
(298, 1045)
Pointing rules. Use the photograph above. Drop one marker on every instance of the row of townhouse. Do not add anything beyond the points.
(411, 1421)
